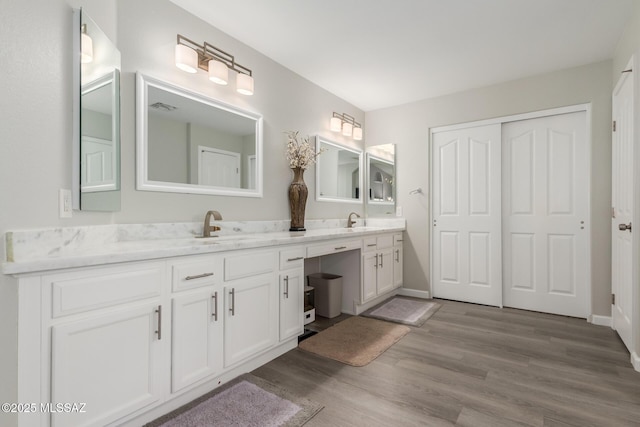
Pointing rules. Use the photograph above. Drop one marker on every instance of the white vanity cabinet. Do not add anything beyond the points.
(377, 266)
(251, 304)
(291, 292)
(397, 260)
(197, 320)
(106, 330)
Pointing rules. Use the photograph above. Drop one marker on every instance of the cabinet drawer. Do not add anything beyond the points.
(249, 264)
(332, 248)
(80, 291)
(369, 243)
(397, 239)
(384, 241)
(196, 273)
(292, 258)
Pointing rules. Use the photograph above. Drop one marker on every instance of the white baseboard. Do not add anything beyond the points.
(635, 361)
(414, 293)
(600, 320)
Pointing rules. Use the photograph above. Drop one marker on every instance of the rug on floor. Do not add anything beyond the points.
(407, 311)
(355, 341)
(246, 401)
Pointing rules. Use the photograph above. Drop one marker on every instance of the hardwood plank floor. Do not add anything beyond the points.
(472, 365)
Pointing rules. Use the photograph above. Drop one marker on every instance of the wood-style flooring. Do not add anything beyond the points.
(472, 365)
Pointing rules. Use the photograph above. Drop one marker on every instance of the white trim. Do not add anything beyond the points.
(516, 117)
(600, 320)
(414, 293)
(635, 361)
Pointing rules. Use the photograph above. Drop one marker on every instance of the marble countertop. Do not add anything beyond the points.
(32, 251)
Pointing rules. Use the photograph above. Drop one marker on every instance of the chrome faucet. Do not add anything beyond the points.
(350, 221)
(208, 228)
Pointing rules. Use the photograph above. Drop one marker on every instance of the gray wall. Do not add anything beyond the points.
(35, 153)
(408, 126)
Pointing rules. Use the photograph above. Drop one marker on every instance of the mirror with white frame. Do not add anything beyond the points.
(338, 172)
(189, 143)
(380, 179)
(96, 148)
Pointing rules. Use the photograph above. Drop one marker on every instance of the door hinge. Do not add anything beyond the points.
(613, 299)
(614, 125)
(613, 212)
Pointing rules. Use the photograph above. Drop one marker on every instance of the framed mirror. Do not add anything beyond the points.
(189, 143)
(338, 172)
(380, 179)
(96, 146)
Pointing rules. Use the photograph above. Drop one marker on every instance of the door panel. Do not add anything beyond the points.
(545, 212)
(466, 215)
(622, 211)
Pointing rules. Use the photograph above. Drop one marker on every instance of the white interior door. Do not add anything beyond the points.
(218, 168)
(466, 255)
(545, 211)
(622, 208)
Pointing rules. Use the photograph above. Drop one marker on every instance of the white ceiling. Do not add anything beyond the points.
(379, 53)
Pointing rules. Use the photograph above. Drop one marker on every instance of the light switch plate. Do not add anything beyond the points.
(398, 210)
(64, 203)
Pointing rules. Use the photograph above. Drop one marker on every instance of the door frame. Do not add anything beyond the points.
(513, 118)
(237, 156)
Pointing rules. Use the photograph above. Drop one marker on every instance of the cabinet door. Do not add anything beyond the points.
(397, 267)
(385, 271)
(196, 344)
(369, 273)
(251, 317)
(291, 303)
(110, 362)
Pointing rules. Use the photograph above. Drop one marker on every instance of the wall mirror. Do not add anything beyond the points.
(96, 147)
(338, 172)
(380, 179)
(189, 143)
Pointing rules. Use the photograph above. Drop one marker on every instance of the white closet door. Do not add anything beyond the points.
(622, 205)
(545, 211)
(466, 215)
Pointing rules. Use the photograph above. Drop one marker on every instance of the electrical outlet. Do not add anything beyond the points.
(65, 203)
(398, 210)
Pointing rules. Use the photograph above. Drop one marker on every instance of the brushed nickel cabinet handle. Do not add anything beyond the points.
(372, 244)
(159, 330)
(340, 247)
(381, 260)
(198, 276)
(397, 255)
(623, 227)
(295, 259)
(215, 306)
(376, 266)
(286, 287)
(232, 309)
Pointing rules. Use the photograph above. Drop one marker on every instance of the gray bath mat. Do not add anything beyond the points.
(408, 311)
(246, 401)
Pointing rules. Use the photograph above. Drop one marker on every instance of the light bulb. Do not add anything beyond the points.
(244, 84)
(186, 58)
(347, 129)
(218, 72)
(357, 134)
(336, 124)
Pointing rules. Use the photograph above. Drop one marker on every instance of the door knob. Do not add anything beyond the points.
(623, 227)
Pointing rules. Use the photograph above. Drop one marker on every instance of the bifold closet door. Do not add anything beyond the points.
(545, 211)
(466, 254)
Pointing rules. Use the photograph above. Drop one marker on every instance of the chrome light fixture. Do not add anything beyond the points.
(190, 56)
(347, 125)
(86, 46)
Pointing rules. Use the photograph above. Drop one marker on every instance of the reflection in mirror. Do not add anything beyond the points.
(381, 179)
(96, 175)
(338, 177)
(189, 143)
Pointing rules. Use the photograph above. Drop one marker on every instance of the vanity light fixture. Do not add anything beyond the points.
(86, 46)
(347, 125)
(190, 56)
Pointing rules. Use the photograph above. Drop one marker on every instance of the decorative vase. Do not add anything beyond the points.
(298, 193)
